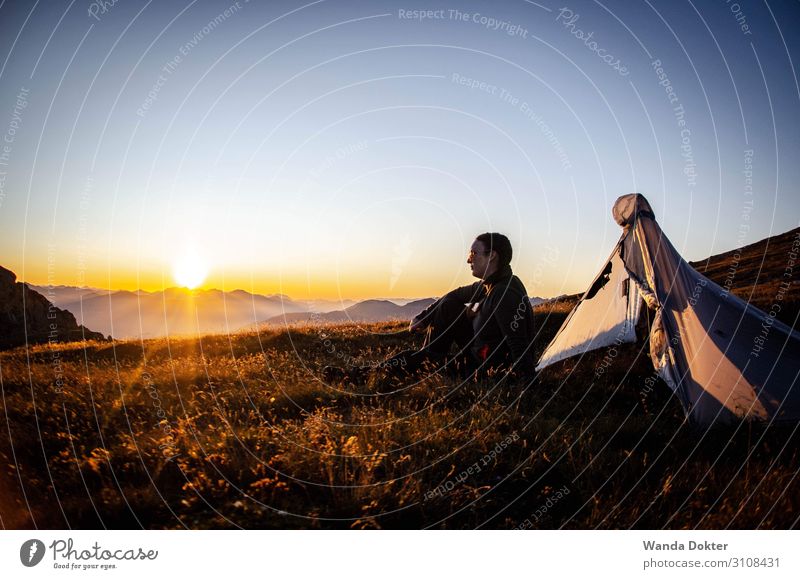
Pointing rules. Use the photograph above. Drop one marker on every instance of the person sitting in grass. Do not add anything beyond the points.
(490, 322)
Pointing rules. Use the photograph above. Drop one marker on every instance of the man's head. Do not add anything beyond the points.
(489, 253)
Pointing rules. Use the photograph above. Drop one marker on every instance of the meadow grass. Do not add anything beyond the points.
(240, 431)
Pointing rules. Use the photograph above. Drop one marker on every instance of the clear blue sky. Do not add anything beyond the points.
(354, 149)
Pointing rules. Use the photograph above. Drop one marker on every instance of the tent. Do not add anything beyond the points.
(724, 358)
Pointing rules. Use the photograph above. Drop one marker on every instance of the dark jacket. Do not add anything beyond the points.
(503, 326)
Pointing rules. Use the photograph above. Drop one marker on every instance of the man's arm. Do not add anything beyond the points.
(422, 319)
(464, 294)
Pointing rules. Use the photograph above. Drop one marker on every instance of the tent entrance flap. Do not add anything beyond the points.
(606, 315)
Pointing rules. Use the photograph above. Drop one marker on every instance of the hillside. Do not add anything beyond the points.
(757, 271)
(240, 432)
(27, 317)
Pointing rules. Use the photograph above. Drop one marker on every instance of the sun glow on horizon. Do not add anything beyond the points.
(189, 270)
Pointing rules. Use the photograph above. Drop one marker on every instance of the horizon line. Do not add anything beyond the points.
(281, 295)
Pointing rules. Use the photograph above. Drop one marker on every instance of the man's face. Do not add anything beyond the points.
(480, 259)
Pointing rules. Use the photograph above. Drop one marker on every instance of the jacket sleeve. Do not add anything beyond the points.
(512, 318)
(464, 294)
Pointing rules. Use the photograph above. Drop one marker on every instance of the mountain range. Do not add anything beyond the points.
(140, 314)
(366, 311)
(756, 272)
(175, 311)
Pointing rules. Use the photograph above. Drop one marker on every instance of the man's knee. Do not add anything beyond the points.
(451, 308)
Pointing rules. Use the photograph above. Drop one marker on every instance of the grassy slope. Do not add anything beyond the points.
(250, 437)
(756, 272)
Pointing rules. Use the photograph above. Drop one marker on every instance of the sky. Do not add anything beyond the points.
(345, 149)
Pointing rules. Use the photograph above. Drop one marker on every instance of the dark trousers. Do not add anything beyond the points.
(448, 324)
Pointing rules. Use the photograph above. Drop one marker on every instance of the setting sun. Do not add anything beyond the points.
(189, 271)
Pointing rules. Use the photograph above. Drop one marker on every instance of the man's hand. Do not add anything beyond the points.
(417, 326)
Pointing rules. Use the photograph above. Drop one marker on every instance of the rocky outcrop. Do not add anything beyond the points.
(26, 316)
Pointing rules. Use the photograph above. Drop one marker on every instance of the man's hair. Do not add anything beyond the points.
(499, 243)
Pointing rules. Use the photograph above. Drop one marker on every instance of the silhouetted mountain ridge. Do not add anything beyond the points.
(26, 316)
(366, 311)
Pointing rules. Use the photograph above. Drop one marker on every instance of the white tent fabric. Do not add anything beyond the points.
(723, 358)
(606, 315)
